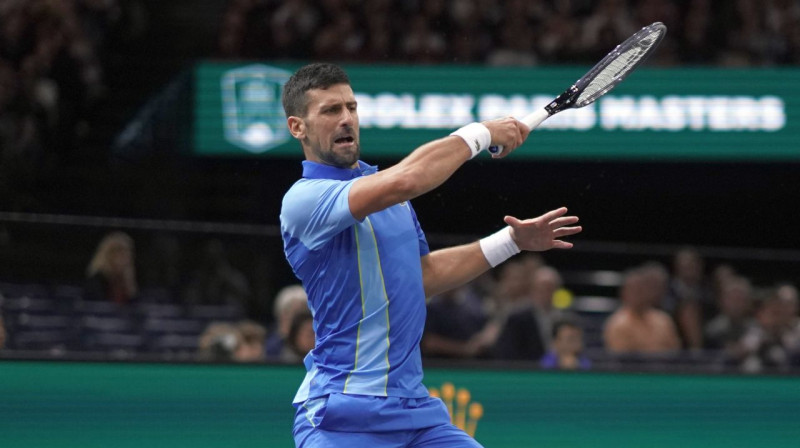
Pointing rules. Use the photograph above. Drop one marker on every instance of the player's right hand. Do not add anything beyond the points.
(508, 133)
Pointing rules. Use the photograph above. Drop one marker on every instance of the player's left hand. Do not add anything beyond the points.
(543, 233)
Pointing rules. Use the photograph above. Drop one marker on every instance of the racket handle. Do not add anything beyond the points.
(532, 121)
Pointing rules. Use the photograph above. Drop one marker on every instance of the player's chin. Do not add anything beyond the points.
(345, 155)
(350, 151)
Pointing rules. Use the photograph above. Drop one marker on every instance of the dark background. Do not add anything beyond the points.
(745, 205)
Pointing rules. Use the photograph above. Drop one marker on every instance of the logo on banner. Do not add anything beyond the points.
(464, 413)
(251, 107)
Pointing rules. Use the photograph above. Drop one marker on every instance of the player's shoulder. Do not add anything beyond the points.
(308, 196)
(299, 198)
(305, 191)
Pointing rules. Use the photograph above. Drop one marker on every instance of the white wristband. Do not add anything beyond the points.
(499, 246)
(477, 137)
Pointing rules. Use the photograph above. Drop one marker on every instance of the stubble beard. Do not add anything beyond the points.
(340, 159)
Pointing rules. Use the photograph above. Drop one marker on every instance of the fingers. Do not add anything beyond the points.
(544, 232)
(558, 244)
(553, 214)
(546, 218)
(524, 130)
(567, 231)
(507, 132)
(512, 221)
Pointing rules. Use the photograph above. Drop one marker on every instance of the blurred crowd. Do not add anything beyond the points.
(687, 313)
(515, 32)
(682, 314)
(52, 55)
(49, 75)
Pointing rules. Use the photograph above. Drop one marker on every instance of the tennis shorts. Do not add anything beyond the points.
(359, 421)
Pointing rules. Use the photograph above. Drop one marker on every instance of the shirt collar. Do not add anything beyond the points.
(314, 170)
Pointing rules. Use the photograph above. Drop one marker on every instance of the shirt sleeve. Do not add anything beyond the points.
(313, 211)
(424, 249)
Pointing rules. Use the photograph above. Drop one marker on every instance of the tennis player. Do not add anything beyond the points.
(353, 239)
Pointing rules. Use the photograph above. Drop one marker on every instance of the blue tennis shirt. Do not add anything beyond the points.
(364, 285)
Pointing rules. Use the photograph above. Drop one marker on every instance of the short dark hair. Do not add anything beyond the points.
(311, 76)
(567, 320)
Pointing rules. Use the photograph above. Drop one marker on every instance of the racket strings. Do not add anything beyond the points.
(617, 69)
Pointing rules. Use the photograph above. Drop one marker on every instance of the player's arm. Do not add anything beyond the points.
(426, 168)
(445, 269)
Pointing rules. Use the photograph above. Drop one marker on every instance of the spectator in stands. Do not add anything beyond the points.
(657, 279)
(112, 272)
(513, 286)
(470, 39)
(637, 327)
(219, 342)
(2, 329)
(340, 39)
(516, 46)
(301, 338)
(763, 344)
(22, 133)
(462, 31)
(252, 348)
(566, 349)
(699, 42)
(528, 329)
(726, 329)
(609, 24)
(216, 281)
(422, 43)
(453, 325)
(790, 320)
(692, 297)
(289, 302)
(720, 276)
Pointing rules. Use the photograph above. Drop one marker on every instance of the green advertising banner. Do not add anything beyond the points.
(656, 114)
(66, 404)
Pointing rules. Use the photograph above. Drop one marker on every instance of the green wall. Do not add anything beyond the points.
(76, 404)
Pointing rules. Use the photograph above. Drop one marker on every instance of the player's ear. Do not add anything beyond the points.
(297, 127)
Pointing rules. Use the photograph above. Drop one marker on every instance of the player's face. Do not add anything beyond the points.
(331, 127)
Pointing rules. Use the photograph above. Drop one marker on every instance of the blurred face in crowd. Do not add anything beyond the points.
(2, 333)
(689, 266)
(657, 280)
(295, 307)
(568, 340)
(634, 292)
(514, 281)
(770, 316)
(329, 130)
(304, 340)
(788, 297)
(546, 282)
(250, 351)
(736, 298)
(120, 257)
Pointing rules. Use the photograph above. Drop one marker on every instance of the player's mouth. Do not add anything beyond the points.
(345, 141)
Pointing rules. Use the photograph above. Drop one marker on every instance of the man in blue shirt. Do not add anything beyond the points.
(353, 239)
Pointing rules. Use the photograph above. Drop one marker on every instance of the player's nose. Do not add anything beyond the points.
(348, 118)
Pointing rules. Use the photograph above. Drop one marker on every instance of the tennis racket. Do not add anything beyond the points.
(604, 76)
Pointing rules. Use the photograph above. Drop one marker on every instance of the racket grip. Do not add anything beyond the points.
(532, 121)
